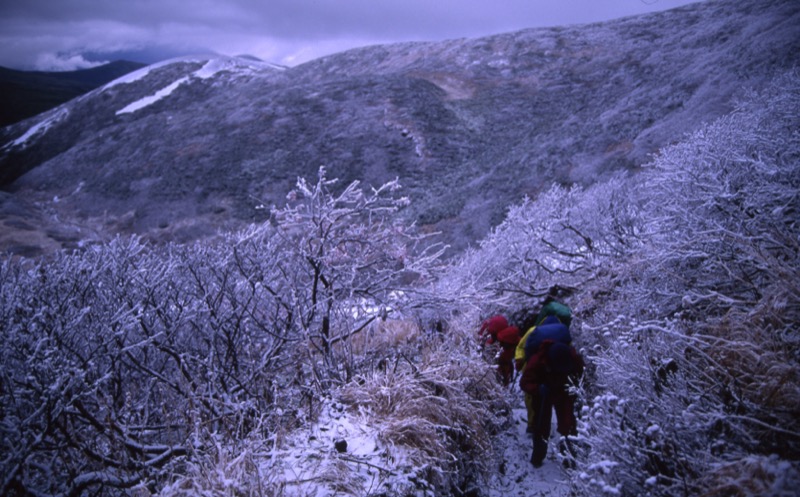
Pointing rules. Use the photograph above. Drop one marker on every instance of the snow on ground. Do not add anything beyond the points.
(151, 99)
(212, 66)
(41, 127)
(232, 64)
(134, 76)
(343, 454)
(516, 476)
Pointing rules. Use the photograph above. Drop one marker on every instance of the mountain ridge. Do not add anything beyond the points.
(469, 126)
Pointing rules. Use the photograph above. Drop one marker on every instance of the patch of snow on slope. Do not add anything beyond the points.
(144, 102)
(212, 67)
(141, 73)
(39, 128)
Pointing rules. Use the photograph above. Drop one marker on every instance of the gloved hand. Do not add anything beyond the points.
(543, 390)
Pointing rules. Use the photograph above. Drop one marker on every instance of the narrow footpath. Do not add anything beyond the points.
(516, 476)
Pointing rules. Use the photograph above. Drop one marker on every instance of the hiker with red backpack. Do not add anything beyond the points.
(551, 323)
(547, 378)
(550, 311)
(497, 330)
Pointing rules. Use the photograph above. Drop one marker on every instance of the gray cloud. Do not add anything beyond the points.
(47, 35)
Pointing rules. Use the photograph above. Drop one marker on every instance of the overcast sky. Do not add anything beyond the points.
(73, 34)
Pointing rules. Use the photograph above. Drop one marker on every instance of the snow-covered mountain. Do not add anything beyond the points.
(180, 149)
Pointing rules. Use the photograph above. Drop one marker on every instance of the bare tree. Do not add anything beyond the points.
(349, 261)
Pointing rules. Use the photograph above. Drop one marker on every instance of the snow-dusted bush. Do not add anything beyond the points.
(115, 359)
(128, 365)
(345, 262)
(563, 237)
(700, 374)
(653, 424)
(81, 404)
(683, 283)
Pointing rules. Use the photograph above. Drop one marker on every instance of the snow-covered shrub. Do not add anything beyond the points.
(753, 475)
(127, 365)
(739, 229)
(348, 261)
(700, 374)
(654, 425)
(563, 237)
(68, 393)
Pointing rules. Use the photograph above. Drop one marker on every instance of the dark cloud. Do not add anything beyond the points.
(38, 33)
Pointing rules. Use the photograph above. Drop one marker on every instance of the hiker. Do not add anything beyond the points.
(551, 322)
(546, 378)
(549, 329)
(549, 307)
(552, 307)
(508, 339)
(496, 329)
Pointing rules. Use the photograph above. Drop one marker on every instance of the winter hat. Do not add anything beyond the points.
(560, 358)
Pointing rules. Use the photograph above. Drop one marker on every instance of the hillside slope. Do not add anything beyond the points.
(469, 126)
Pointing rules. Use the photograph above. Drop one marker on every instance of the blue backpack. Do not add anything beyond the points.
(550, 329)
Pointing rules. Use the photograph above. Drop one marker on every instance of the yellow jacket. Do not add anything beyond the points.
(519, 352)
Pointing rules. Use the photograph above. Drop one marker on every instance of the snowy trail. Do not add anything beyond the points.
(516, 476)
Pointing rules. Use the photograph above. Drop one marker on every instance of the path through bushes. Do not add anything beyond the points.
(515, 476)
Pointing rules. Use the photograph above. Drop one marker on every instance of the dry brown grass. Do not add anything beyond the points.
(380, 335)
(226, 469)
(758, 368)
(752, 476)
(441, 406)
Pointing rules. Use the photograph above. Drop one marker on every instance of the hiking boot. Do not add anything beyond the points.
(539, 451)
